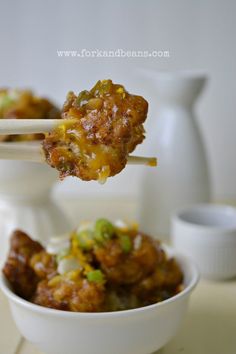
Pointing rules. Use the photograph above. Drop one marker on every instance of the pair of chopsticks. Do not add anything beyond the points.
(34, 152)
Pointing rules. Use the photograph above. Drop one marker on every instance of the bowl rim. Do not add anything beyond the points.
(194, 278)
(177, 216)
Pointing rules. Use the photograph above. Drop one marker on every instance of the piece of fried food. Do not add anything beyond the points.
(165, 281)
(70, 293)
(17, 268)
(23, 104)
(108, 126)
(129, 267)
(32, 273)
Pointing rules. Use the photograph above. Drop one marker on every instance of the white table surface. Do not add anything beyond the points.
(210, 324)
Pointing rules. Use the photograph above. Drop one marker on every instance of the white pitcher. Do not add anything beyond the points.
(181, 177)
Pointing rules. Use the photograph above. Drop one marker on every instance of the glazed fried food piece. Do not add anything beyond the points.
(17, 267)
(164, 282)
(20, 104)
(34, 275)
(108, 125)
(43, 296)
(71, 293)
(128, 267)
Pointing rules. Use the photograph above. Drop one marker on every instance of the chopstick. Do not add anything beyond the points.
(21, 151)
(34, 153)
(29, 126)
(141, 160)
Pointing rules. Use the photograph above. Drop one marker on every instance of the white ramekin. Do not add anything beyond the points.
(207, 233)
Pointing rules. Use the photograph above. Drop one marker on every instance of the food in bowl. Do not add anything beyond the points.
(137, 331)
(104, 125)
(99, 267)
(23, 104)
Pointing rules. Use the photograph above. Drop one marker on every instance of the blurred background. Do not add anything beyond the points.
(197, 34)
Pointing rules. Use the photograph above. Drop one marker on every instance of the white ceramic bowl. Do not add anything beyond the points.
(138, 331)
(23, 178)
(25, 202)
(207, 233)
